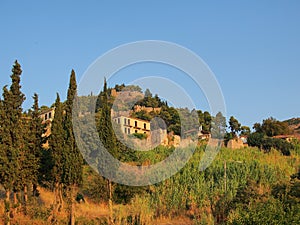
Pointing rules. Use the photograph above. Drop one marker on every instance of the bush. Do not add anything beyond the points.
(264, 213)
(38, 212)
(140, 136)
(267, 143)
(123, 194)
(255, 139)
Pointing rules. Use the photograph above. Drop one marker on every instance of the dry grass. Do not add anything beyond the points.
(45, 200)
(138, 210)
(89, 210)
(173, 221)
(46, 197)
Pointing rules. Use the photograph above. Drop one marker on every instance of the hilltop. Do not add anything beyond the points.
(294, 125)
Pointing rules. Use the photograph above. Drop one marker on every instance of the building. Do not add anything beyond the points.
(287, 137)
(203, 135)
(132, 125)
(244, 139)
(47, 115)
(236, 143)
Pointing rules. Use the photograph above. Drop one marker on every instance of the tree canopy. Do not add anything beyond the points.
(272, 127)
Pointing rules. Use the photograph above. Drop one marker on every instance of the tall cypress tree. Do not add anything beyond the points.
(56, 146)
(12, 135)
(72, 176)
(29, 154)
(27, 160)
(105, 129)
(108, 139)
(36, 130)
(6, 173)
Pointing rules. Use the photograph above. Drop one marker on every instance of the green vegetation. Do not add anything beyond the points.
(150, 101)
(109, 141)
(293, 121)
(235, 126)
(258, 190)
(263, 137)
(72, 176)
(218, 127)
(139, 136)
(267, 143)
(253, 185)
(12, 131)
(272, 127)
(56, 144)
(35, 141)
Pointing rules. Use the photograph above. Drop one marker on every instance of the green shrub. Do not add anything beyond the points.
(140, 136)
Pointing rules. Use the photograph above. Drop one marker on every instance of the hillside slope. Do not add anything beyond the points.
(294, 125)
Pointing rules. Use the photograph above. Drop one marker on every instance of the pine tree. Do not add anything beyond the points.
(72, 176)
(56, 146)
(12, 136)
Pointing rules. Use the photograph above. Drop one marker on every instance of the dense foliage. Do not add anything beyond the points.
(258, 185)
(265, 138)
(256, 190)
(272, 127)
(12, 153)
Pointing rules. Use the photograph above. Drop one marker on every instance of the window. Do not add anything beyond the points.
(135, 123)
(128, 121)
(125, 121)
(50, 116)
(135, 131)
(128, 131)
(46, 116)
(119, 121)
(145, 126)
(125, 130)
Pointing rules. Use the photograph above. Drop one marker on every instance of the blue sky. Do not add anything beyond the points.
(251, 46)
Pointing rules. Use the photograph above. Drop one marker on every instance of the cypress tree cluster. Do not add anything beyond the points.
(67, 159)
(19, 145)
(24, 163)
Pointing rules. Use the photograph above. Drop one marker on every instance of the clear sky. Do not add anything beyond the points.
(253, 47)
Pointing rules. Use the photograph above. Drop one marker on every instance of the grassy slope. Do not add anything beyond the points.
(91, 211)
